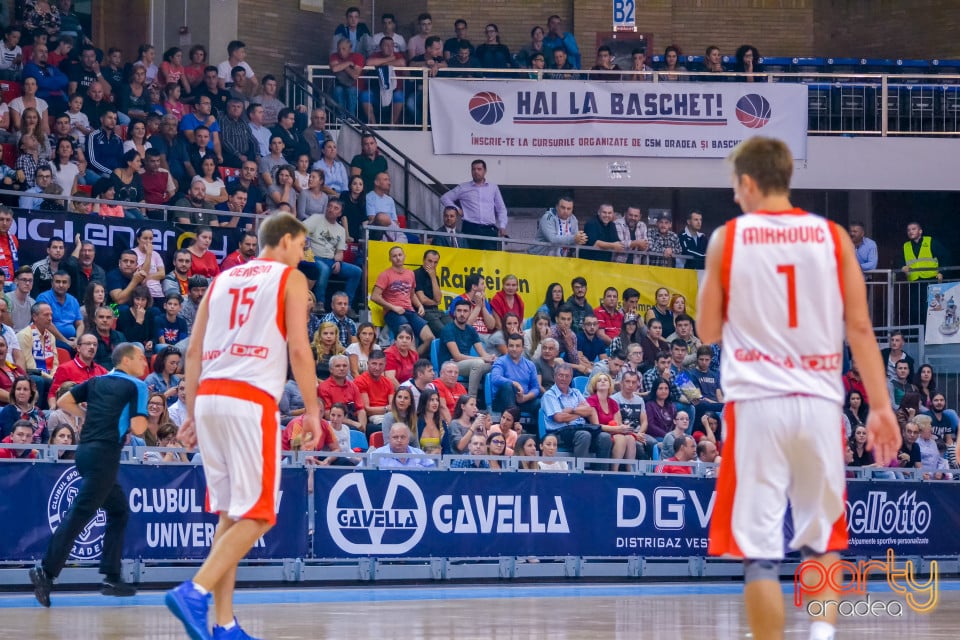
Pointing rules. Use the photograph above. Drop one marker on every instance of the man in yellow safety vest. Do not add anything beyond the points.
(922, 255)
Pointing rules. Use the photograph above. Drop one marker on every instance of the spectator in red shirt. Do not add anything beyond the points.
(449, 387)
(376, 389)
(246, 251)
(853, 382)
(203, 262)
(80, 369)
(685, 450)
(337, 388)
(347, 67)
(22, 434)
(610, 317)
(401, 356)
(507, 300)
(9, 245)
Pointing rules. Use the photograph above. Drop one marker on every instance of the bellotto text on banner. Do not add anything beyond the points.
(575, 118)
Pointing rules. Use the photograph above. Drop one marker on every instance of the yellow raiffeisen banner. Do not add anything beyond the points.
(535, 274)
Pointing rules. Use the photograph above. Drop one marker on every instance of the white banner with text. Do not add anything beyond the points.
(602, 118)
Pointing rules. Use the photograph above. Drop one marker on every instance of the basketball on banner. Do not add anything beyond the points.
(753, 111)
(486, 108)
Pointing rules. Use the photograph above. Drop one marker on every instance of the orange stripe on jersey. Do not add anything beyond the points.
(722, 541)
(838, 533)
(236, 389)
(281, 303)
(726, 261)
(265, 507)
(838, 252)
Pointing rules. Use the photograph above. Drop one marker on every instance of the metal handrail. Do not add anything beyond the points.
(305, 83)
(576, 249)
(127, 205)
(880, 81)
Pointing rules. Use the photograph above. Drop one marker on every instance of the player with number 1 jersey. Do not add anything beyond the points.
(781, 287)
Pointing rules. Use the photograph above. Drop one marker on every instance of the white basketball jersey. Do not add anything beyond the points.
(245, 338)
(783, 329)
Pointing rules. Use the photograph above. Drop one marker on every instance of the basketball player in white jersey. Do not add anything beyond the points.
(781, 287)
(251, 317)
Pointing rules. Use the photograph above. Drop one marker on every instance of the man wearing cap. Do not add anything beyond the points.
(664, 243)
(237, 139)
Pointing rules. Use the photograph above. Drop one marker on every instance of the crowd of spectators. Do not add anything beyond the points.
(381, 95)
(593, 375)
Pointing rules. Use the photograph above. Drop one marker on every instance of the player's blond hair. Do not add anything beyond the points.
(767, 161)
(277, 225)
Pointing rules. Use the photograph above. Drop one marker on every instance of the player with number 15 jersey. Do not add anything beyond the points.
(250, 324)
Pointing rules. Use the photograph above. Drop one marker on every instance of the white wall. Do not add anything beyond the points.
(912, 164)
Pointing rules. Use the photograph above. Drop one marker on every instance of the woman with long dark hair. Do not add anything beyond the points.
(552, 301)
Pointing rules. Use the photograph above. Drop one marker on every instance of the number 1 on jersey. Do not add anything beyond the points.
(790, 271)
(242, 303)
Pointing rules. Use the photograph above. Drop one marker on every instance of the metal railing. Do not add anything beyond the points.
(838, 103)
(415, 190)
(155, 212)
(519, 245)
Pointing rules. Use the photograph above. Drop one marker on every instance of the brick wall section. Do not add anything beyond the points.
(922, 29)
(277, 32)
(514, 18)
(857, 28)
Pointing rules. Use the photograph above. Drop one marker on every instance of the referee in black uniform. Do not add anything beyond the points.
(116, 403)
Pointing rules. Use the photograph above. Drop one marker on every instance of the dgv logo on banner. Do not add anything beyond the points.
(680, 518)
(89, 544)
(393, 526)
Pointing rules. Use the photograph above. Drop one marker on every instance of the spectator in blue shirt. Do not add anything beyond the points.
(169, 328)
(379, 200)
(477, 447)
(43, 178)
(398, 446)
(865, 247)
(514, 379)
(104, 148)
(588, 339)
(574, 422)
(66, 310)
(456, 341)
(556, 38)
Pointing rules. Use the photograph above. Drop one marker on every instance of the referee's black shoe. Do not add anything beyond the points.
(117, 588)
(42, 584)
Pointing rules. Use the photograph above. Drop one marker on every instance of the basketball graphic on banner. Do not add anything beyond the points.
(486, 108)
(753, 111)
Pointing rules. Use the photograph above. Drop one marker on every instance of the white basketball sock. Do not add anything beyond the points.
(820, 630)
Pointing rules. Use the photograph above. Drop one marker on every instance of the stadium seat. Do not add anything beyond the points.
(122, 131)
(358, 440)
(85, 190)
(435, 355)
(63, 355)
(10, 155)
(580, 383)
(487, 392)
(10, 90)
(376, 438)
(541, 425)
